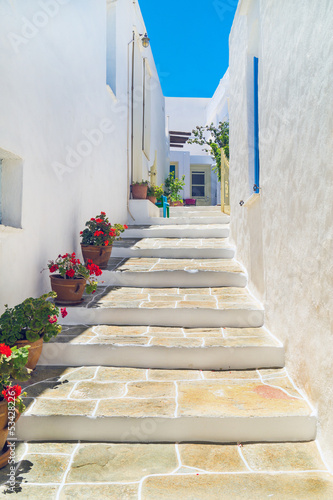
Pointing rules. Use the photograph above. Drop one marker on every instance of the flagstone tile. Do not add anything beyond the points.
(54, 448)
(212, 458)
(160, 407)
(31, 492)
(173, 375)
(151, 389)
(155, 304)
(121, 462)
(197, 304)
(237, 399)
(314, 486)
(100, 492)
(110, 374)
(98, 390)
(245, 332)
(122, 331)
(176, 342)
(283, 457)
(46, 407)
(213, 332)
(121, 341)
(50, 389)
(231, 375)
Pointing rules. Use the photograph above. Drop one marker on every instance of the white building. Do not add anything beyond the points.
(66, 127)
(284, 231)
(191, 160)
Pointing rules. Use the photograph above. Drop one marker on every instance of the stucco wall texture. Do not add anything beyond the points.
(285, 238)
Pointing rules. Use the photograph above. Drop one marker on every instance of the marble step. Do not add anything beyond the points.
(134, 405)
(174, 248)
(184, 307)
(191, 219)
(178, 231)
(170, 471)
(164, 347)
(148, 272)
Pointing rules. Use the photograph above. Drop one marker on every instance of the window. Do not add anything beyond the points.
(198, 184)
(173, 169)
(11, 174)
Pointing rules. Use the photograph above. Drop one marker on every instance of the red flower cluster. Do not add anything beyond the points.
(98, 233)
(125, 226)
(52, 319)
(64, 312)
(54, 268)
(93, 269)
(12, 393)
(5, 350)
(70, 273)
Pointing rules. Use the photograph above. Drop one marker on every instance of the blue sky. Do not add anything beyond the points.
(189, 39)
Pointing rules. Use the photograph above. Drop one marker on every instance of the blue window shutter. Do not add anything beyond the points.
(256, 127)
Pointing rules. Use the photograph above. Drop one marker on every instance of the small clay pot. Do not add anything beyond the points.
(3, 438)
(98, 254)
(3, 414)
(139, 191)
(152, 199)
(35, 350)
(69, 291)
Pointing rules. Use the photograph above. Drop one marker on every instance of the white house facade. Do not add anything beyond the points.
(82, 115)
(281, 175)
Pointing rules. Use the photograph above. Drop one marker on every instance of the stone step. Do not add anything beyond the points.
(174, 248)
(161, 347)
(170, 471)
(184, 307)
(178, 231)
(174, 273)
(195, 210)
(134, 405)
(192, 219)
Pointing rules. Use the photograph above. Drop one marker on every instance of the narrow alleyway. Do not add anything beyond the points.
(156, 374)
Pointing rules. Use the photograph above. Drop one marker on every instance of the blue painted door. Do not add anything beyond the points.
(256, 126)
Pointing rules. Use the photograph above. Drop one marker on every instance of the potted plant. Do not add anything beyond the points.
(98, 238)
(72, 278)
(12, 366)
(155, 192)
(173, 186)
(30, 324)
(139, 190)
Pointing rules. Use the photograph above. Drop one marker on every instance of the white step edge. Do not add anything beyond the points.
(177, 232)
(178, 278)
(186, 358)
(182, 220)
(166, 430)
(175, 253)
(187, 317)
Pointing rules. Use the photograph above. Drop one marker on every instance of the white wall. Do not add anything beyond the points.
(68, 129)
(285, 238)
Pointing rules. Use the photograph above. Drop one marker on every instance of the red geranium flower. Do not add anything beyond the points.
(53, 268)
(126, 227)
(52, 319)
(11, 393)
(64, 312)
(5, 350)
(103, 213)
(70, 273)
(106, 243)
(99, 221)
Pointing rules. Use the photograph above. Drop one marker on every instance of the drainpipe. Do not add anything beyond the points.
(130, 162)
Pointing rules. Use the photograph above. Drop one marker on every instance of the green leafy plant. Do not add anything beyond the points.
(69, 267)
(219, 139)
(142, 183)
(100, 232)
(173, 186)
(31, 320)
(156, 191)
(12, 366)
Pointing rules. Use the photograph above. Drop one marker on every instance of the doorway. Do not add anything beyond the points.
(201, 184)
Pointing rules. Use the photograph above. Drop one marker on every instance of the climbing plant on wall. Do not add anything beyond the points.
(218, 139)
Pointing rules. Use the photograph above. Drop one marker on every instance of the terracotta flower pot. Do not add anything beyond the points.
(3, 414)
(98, 254)
(3, 438)
(4, 456)
(69, 291)
(35, 350)
(152, 199)
(139, 191)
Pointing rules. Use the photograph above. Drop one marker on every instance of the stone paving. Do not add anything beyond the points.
(153, 265)
(288, 471)
(108, 391)
(166, 336)
(156, 243)
(204, 298)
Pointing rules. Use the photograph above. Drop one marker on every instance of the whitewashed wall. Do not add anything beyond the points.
(63, 129)
(285, 237)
